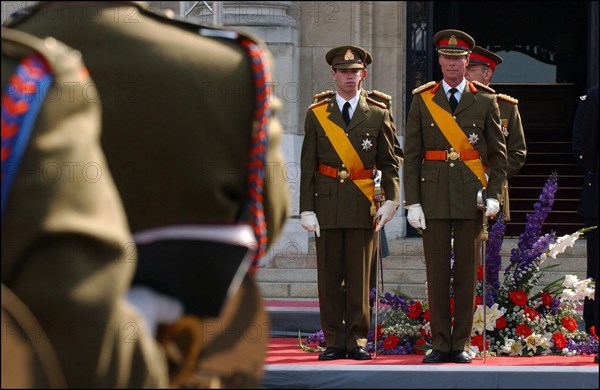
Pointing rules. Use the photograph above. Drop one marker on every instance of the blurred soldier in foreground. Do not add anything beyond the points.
(186, 125)
(65, 320)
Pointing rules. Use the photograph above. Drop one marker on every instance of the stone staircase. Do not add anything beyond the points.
(295, 277)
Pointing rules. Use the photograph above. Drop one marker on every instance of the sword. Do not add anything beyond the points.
(379, 197)
(481, 200)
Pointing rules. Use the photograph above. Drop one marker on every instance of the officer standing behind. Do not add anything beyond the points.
(346, 138)
(184, 106)
(66, 245)
(481, 68)
(449, 126)
(585, 149)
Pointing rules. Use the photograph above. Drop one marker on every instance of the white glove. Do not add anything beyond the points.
(386, 212)
(492, 207)
(415, 216)
(156, 307)
(310, 223)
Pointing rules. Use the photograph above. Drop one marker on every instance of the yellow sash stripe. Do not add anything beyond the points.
(343, 147)
(453, 134)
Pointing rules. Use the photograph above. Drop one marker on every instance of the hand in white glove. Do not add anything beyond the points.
(156, 307)
(415, 216)
(386, 212)
(492, 207)
(310, 223)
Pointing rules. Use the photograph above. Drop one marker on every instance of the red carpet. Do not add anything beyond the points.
(287, 351)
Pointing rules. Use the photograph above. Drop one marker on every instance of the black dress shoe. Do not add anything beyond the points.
(332, 353)
(437, 357)
(460, 357)
(359, 353)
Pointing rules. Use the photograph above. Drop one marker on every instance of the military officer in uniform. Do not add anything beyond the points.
(180, 102)
(585, 150)
(481, 68)
(65, 238)
(450, 125)
(387, 100)
(347, 136)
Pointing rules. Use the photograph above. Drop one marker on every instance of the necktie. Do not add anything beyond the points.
(346, 113)
(452, 100)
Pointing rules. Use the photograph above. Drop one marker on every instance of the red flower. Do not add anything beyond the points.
(390, 342)
(478, 300)
(530, 313)
(452, 306)
(424, 333)
(379, 330)
(560, 341)
(518, 297)
(426, 315)
(593, 332)
(477, 341)
(415, 310)
(546, 299)
(523, 330)
(480, 272)
(569, 323)
(419, 351)
(501, 323)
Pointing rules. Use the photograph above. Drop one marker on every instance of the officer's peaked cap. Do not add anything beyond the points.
(481, 56)
(453, 42)
(348, 57)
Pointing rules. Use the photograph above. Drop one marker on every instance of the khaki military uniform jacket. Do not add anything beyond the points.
(66, 245)
(178, 112)
(448, 189)
(342, 204)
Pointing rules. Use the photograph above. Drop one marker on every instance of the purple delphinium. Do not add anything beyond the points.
(493, 260)
(531, 245)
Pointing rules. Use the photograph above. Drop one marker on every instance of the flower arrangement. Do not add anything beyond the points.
(521, 319)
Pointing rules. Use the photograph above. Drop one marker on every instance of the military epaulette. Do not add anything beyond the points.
(375, 102)
(424, 87)
(507, 98)
(317, 104)
(380, 94)
(321, 95)
(483, 86)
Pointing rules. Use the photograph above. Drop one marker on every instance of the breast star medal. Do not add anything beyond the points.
(473, 138)
(366, 144)
(505, 127)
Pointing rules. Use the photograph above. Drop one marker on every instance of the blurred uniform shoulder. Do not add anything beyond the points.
(424, 87)
(481, 86)
(60, 57)
(323, 95)
(507, 98)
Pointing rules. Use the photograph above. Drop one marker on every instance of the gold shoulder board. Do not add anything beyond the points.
(507, 98)
(317, 104)
(424, 87)
(375, 102)
(380, 94)
(319, 95)
(483, 86)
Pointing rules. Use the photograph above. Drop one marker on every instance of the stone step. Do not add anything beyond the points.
(295, 276)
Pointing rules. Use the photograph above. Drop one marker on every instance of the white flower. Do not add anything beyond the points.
(532, 342)
(491, 315)
(570, 280)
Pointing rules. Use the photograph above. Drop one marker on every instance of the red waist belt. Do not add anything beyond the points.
(444, 155)
(344, 173)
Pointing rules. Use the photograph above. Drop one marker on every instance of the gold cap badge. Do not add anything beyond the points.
(349, 55)
(452, 40)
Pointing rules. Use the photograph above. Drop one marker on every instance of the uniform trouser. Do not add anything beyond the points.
(467, 255)
(590, 307)
(343, 271)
